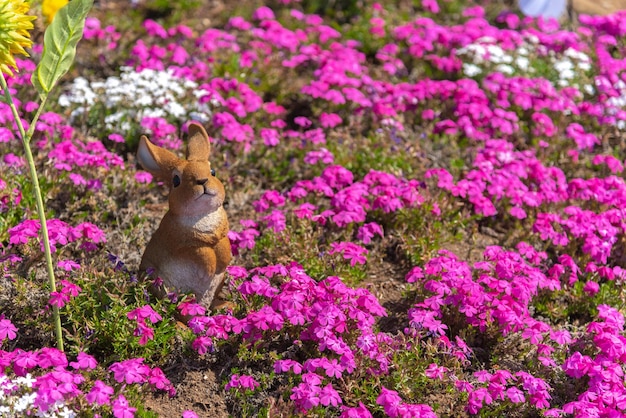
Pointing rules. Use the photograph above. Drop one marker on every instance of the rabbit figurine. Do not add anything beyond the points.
(190, 250)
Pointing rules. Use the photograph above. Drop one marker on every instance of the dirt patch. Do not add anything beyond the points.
(197, 389)
(598, 7)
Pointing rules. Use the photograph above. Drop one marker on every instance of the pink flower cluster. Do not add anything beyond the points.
(60, 234)
(61, 381)
(319, 314)
(144, 316)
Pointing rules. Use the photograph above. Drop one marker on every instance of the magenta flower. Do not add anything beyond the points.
(242, 381)
(24, 361)
(263, 13)
(84, 361)
(68, 265)
(130, 371)
(358, 412)
(350, 251)
(436, 372)
(7, 330)
(144, 312)
(121, 408)
(202, 344)
(390, 401)
(158, 380)
(51, 357)
(192, 308)
(100, 394)
(367, 231)
(329, 397)
(143, 177)
(117, 138)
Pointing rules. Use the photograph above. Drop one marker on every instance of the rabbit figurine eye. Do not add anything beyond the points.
(176, 180)
(213, 172)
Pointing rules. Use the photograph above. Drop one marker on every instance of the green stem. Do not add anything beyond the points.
(26, 136)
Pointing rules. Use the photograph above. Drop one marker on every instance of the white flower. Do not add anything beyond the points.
(471, 70)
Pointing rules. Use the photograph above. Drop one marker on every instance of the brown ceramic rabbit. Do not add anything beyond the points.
(190, 250)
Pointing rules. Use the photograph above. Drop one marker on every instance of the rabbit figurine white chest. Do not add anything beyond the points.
(190, 250)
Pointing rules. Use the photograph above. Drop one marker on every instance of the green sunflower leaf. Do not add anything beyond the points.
(59, 44)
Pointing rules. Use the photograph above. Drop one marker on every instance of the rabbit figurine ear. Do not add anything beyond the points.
(198, 148)
(155, 159)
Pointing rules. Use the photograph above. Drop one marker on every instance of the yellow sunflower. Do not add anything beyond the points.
(15, 25)
(49, 8)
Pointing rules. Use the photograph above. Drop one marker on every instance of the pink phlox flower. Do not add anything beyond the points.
(276, 221)
(329, 120)
(436, 372)
(430, 6)
(265, 319)
(179, 55)
(331, 367)
(190, 308)
(259, 286)
(89, 232)
(23, 361)
(144, 331)
(337, 176)
(283, 366)
(22, 232)
(305, 211)
(360, 411)
(7, 330)
(144, 312)
(158, 380)
(367, 231)
(269, 199)
(302, 121)
(237, 272)
(202, 344)
(84, 362)
(243, 239)
(116, 138)
(239, 23)
(143, 177)
(329, 396)
(51, 357)
(323, 155)
(68, 265)
(121, 408)
(100, 393)
(307, 394)
(241, 326)
(315, 136)
(346, 217)
(242, 381)
(350, 251)
(69, 288)
(270, 137)
(584, 141)
(263, 13)
(515, 395)
(390, 401)
(130, 371)
(154, 29)
(415, 274)
(612, 316)
(189, 414)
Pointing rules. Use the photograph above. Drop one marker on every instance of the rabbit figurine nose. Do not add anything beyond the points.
(202, 182)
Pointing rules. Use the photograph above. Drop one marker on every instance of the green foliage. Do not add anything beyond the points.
(96, 320)
(340, 10)
(60, 42)
(171, 11)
